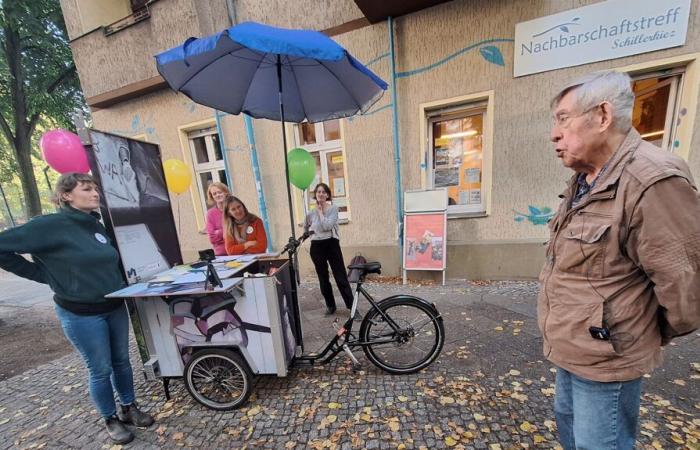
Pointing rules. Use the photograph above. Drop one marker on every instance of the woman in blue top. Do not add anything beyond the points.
(325, 248)
(71, 253)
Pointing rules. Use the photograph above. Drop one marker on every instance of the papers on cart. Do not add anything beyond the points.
(246, 258)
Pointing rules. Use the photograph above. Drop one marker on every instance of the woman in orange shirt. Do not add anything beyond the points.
(244, 233)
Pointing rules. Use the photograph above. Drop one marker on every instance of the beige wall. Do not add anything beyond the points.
(525, 171)
(83, 16)
(109, 62)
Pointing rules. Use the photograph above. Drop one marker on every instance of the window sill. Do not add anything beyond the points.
(466, 215)
(132, 19)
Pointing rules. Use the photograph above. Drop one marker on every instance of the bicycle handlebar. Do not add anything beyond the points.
(293, 244)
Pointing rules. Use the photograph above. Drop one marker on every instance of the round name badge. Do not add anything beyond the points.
(249, 230)
(100, 238)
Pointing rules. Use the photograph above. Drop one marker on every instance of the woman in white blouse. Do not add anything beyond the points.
(325, 248)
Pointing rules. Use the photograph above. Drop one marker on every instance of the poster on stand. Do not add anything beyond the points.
(424, 241)
(135, 204)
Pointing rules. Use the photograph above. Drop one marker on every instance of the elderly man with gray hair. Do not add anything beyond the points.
(621, 276)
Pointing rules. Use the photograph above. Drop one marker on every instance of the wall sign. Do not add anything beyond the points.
(606, 30)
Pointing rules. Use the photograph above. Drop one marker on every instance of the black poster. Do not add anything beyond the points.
(135, 203)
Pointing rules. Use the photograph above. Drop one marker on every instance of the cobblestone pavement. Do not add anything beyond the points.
(490, 389)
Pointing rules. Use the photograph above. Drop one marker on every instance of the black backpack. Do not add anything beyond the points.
(354, 274)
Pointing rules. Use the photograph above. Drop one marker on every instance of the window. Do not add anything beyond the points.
(323, 141)
(656, 105)
(207, 160)
(456, 155)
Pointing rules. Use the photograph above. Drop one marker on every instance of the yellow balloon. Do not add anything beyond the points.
(177, 175)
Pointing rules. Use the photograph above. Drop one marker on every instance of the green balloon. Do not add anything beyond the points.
(302, 168)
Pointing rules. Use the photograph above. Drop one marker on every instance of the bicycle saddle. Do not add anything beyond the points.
(370, 267)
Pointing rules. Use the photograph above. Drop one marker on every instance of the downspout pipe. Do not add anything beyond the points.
(397, 149)
(258, 178)
(224, 149)
(250, 134)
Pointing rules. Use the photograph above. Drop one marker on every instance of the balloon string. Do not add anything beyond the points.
(179, 225)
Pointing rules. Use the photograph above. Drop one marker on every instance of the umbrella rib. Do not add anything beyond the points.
(359, 107)
(301, 98)
(210, 63)
(253, 75)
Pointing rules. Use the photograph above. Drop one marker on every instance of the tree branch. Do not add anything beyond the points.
(61, 78)
(32, 123)
(6, 130)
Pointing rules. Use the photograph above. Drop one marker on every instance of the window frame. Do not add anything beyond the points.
(213, 166)
(452, 108)
(675, 97)
(322, 147)
(687, 98)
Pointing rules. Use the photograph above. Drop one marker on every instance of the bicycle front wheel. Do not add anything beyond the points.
(403, 336)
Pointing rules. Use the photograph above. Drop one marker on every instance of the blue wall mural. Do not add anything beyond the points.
(536, 216)
(490, 53)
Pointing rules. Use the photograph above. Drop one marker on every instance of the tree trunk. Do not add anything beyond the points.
(24, 120)
(32, 201)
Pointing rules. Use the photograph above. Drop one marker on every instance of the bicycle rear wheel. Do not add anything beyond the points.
(413, 346)
(218, 379)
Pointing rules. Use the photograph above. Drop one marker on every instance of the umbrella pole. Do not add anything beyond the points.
(284, 144)
(293, 273)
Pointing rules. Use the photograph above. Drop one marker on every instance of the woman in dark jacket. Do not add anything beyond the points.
(71, 253)
(325, 248)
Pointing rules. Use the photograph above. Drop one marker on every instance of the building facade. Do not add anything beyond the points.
(455, 116)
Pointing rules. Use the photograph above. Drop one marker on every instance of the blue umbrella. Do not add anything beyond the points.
(272, 73)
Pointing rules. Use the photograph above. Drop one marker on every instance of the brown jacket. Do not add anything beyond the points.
(626, 258)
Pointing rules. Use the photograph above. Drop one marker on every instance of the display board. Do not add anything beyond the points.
(424, 241)
(425, 231)
(134, 203)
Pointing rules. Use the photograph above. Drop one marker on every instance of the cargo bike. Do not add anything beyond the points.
(217, 335)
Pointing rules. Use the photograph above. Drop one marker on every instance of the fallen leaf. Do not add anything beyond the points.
(495, 447)
(539, 439)
(394, 424)
(551, 425)
(679, 382)
(526, 427)
(499, 328)
(446, 400)
(651, 426)
(178, 436)
(4, 421)
(518, 396)
(402, 398)
(290, 444)
(547, 391)
(334, 405)
(514, 372)
(450, 442)
(478, 417)
(254, 411)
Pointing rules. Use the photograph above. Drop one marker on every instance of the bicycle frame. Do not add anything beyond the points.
(344, 333)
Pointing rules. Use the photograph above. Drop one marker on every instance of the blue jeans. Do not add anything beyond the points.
(103, 342)
(595, 415)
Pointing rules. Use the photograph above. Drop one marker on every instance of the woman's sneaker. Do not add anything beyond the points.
(118, 433)
(133, 415)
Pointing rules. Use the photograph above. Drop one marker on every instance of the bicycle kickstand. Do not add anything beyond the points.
(355, 363)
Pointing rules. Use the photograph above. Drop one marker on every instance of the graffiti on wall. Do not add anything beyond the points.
(535, 215)
(139, 126)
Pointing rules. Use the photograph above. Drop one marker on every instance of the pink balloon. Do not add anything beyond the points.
(64, 152)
